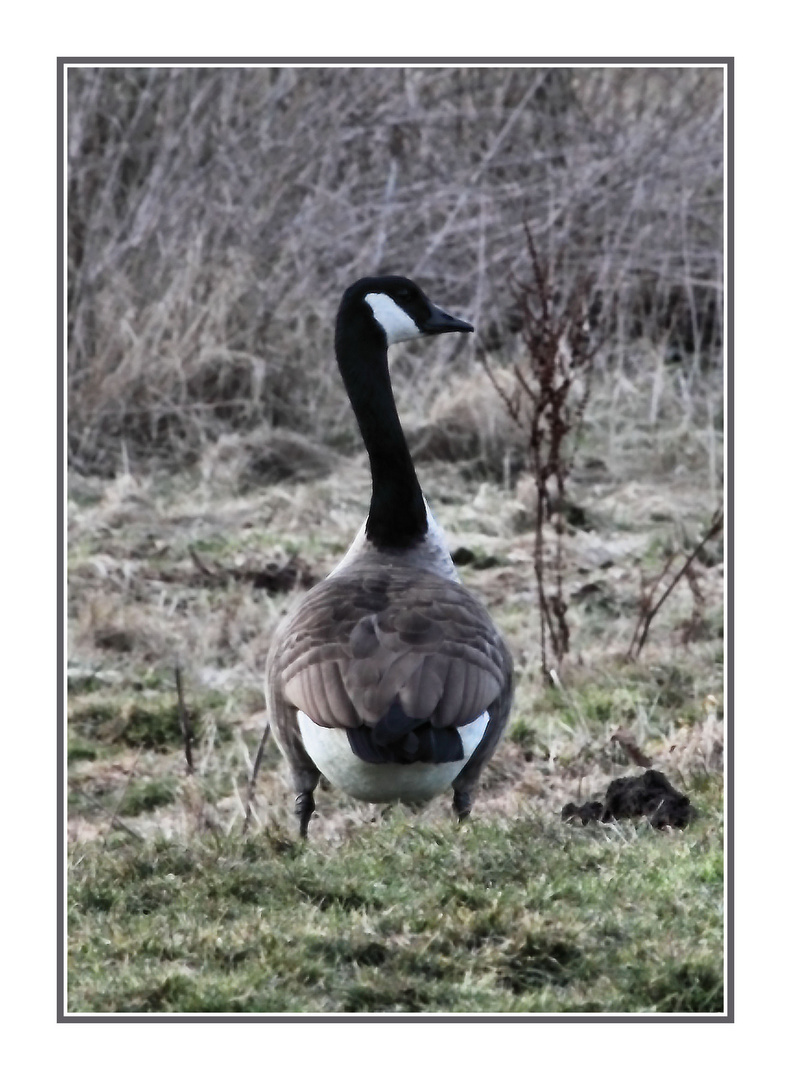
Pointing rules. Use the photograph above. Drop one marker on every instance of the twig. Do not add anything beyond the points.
(554, 679)
(696, 619)
(511, 409)
(186, 725)
(201, 565)
(628, 744)
(259, 757)
(646, 597)
(648, 614)
(114, 819)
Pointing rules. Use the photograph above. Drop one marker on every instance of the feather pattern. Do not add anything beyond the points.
(361, 643)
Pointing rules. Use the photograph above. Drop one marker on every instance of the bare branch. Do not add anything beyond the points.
(649, 610)
(259, 757)
(186, 724)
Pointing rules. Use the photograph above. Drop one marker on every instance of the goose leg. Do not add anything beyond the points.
(466, 782)
(304, 774)
(305, 779)
(305, 804)
(462, 804)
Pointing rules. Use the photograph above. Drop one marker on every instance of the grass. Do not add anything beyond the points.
(516, 915)
(172, 910)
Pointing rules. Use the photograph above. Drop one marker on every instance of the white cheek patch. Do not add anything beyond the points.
(397, 325)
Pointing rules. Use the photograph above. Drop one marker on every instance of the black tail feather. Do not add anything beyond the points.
(401, 739)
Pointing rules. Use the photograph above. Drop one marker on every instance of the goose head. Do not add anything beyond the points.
(393, 309)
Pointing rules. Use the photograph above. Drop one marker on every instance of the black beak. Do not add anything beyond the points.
(439, 322)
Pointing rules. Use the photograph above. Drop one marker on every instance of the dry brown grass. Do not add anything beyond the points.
(216, 215)
(139, 603)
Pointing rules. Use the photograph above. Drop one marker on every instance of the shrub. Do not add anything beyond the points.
(215, 215)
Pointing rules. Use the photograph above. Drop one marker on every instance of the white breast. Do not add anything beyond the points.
(330, 750)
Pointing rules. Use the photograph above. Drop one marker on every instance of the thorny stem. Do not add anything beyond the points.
(559, 361)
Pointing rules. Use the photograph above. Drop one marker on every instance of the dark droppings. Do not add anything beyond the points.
(650, 794)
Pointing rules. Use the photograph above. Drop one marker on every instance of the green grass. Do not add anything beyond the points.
(171, 911)
(142, 796)
(517, 912)
(522, 915)
(146, 720)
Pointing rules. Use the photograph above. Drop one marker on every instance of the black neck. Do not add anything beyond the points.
(397, 516)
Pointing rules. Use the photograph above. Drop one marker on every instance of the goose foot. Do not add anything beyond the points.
(305, 804)
(462, 804)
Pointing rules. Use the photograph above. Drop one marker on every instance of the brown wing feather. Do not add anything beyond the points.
(361, 640)
(421, 695)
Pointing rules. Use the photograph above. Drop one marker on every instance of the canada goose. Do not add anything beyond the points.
(390, 678)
